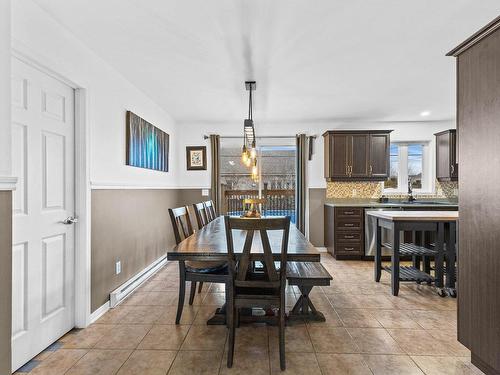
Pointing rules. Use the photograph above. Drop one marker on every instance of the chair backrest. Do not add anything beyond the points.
(181, 223)
(273, 278)
(211, 215)
(200, 212)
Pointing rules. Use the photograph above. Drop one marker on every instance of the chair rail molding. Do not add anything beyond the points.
(8, 183)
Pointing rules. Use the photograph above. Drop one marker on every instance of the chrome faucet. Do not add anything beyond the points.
(411, 198)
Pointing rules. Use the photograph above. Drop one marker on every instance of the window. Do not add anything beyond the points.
(392, 182)
(415, 165)
(409, 162)
(276, 183)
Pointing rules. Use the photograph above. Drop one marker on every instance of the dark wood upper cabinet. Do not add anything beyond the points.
(338, 147)
(357, 155)
(379, 155)
(446, 155)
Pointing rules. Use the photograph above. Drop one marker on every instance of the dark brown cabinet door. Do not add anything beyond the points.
(379, 155)
(454, 155)
(358, 155)
(339, 159)
(446, 156)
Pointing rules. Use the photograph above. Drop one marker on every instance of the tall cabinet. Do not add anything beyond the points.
(478, 124)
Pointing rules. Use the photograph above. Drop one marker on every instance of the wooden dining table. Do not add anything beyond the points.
(209, 244)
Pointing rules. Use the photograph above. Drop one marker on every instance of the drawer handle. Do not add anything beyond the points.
(348, 224)
(348, 236)
(348, 212)
(349, 248)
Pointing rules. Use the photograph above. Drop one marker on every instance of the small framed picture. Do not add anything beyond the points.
(196, 158)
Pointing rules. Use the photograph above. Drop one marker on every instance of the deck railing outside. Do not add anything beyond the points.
(279, 202)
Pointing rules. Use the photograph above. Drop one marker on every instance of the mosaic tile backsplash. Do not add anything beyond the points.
(374, 190)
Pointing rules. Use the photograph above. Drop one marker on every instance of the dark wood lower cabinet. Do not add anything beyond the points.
(344, 232)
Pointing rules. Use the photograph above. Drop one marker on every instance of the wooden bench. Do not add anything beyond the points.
(306, 275)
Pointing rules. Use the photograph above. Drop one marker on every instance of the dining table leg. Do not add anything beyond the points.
(219, 317)
(304, 309)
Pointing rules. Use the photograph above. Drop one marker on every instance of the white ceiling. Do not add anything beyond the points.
(317, 60)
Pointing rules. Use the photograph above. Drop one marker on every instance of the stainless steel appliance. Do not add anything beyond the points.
(371, 230)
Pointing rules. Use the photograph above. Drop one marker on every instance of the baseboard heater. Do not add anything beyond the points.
(120, 293)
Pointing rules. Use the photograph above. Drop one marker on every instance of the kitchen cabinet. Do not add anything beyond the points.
(356, 155)
(379, 156)
(344, 232)
(478, 111)
(446, 155)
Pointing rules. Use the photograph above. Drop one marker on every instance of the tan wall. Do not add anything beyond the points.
(316, 216)
(5, 280)
(132, 226)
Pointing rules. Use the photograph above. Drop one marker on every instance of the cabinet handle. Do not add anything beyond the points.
(348, 212)
(348, 248)
(348, 237)
(346, 170)
(350, 171)
(452, 169)
(371, 170)
(348, 224)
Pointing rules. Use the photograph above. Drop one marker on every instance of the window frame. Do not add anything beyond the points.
(427, 185)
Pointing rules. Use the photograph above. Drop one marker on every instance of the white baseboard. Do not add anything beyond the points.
(99, 312)
(120, 293)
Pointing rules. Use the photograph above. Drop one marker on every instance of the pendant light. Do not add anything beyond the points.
(249, 151)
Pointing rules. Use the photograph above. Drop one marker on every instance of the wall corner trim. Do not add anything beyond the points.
(8, 183)
(99, 312)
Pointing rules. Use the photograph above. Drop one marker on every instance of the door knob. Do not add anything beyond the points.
(70, 220)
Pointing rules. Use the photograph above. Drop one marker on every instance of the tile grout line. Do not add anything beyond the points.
(133, 350)
(182, 343)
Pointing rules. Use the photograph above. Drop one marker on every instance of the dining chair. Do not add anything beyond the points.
(193, 271)
(247, 289)
(209, 205)
(200, 211)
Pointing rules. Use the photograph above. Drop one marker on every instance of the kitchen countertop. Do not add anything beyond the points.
(392, 203)
(416, 215)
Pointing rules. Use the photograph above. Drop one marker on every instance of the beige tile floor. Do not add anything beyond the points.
(367, 332)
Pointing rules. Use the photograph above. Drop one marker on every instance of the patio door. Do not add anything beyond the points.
(276, 183)
(43, 246)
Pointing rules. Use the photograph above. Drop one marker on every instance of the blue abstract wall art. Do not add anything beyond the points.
(147, 146)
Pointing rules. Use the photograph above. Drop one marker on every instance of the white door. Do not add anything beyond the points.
(43, 247)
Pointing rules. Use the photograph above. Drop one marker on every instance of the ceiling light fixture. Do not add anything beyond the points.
(249, 151)
(425, 113)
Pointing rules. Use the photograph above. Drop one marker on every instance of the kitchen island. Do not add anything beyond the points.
(443, 223)
(350, 234)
